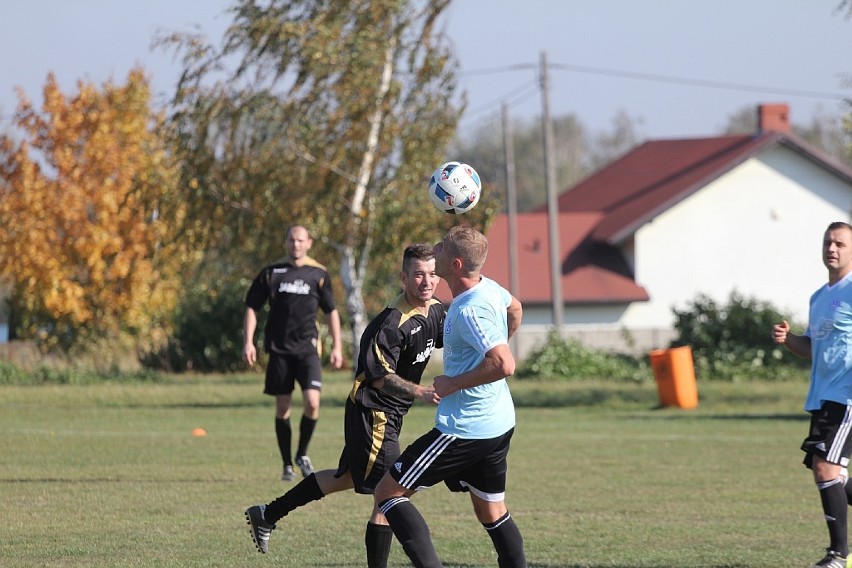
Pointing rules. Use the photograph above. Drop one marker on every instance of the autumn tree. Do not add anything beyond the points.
(85, 191)
(331, 114)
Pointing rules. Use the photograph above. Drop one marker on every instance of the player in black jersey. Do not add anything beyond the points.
(295, 288)
(395, 349)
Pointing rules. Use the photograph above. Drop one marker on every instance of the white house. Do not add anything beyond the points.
(672, 219)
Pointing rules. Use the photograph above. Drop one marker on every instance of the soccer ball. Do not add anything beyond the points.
(455, 188)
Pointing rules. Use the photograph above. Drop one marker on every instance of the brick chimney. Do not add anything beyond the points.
(773, 118)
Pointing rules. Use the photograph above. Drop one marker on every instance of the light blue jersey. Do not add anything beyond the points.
(830, 331)
(475, 324)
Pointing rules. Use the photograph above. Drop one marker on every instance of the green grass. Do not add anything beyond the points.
(110, 475)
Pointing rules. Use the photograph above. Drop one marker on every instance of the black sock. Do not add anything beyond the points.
(305, 491)
(378, 539)
(835, 506)
(508, 542)
(285, 435)
(411, 531)
(306, 431)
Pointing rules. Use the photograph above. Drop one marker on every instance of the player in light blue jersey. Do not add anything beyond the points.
(475, 420)
(476, 323)
(828, 343)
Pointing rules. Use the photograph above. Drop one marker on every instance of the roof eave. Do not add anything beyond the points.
(620, 235)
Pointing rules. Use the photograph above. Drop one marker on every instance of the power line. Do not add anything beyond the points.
(698, 82)
(493, 70)
(661, 79)
(524, 91)
(514, 97)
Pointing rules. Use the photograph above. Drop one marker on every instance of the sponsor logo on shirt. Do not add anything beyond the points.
(416, 329)
(295, 287)
(426, 353)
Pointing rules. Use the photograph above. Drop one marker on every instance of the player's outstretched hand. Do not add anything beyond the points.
(779, 332)
(428, 395)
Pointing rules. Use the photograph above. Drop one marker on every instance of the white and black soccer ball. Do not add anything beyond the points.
(455, 188)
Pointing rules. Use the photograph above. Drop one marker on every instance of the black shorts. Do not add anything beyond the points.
(829, 436)
(372, 445)
(478, 466)
(284, 371)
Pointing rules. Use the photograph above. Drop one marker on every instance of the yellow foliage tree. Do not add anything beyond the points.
(87, 198)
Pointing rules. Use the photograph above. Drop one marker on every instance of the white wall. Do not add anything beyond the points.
(575, 315)
(637, 342)
(757, 229)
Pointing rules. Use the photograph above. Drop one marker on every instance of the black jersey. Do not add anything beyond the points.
(399, 340)
(294, 294)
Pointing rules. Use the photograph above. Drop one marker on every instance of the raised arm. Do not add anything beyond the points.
(799, 345)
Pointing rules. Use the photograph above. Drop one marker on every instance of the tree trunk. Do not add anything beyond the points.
(352, 277)
(352, 283)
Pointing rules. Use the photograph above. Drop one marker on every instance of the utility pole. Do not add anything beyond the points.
(512, 209)
(511, 201)
(552, 211)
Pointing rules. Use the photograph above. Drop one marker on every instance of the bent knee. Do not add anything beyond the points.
(388, 488)
(488, 511)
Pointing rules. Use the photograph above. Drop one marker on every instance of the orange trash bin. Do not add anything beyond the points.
(675, 375)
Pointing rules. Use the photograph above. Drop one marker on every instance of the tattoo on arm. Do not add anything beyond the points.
(394, 385)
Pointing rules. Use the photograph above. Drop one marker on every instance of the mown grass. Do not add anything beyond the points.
(110, 475)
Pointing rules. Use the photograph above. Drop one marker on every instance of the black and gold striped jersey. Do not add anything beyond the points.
(399, 340)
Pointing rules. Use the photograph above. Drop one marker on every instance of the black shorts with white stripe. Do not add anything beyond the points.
(478, 466)
(828, 436)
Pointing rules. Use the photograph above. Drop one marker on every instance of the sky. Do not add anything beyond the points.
(679, 68)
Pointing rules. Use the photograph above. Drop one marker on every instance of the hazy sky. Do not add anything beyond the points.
(682, 67)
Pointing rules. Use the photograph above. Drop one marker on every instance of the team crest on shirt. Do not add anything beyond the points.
(822, 328)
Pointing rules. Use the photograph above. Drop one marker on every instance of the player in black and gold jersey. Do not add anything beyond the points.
(395, 349)
(295, 288)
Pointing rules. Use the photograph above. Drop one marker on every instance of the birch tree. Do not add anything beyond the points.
(330, 114)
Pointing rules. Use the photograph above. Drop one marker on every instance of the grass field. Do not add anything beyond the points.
(110, 475)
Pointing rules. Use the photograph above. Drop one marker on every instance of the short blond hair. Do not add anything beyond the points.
(469, 245)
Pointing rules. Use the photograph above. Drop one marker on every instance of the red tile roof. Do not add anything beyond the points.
(660, 173)
(591, 272)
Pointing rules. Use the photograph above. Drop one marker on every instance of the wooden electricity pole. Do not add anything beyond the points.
(552, 210)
